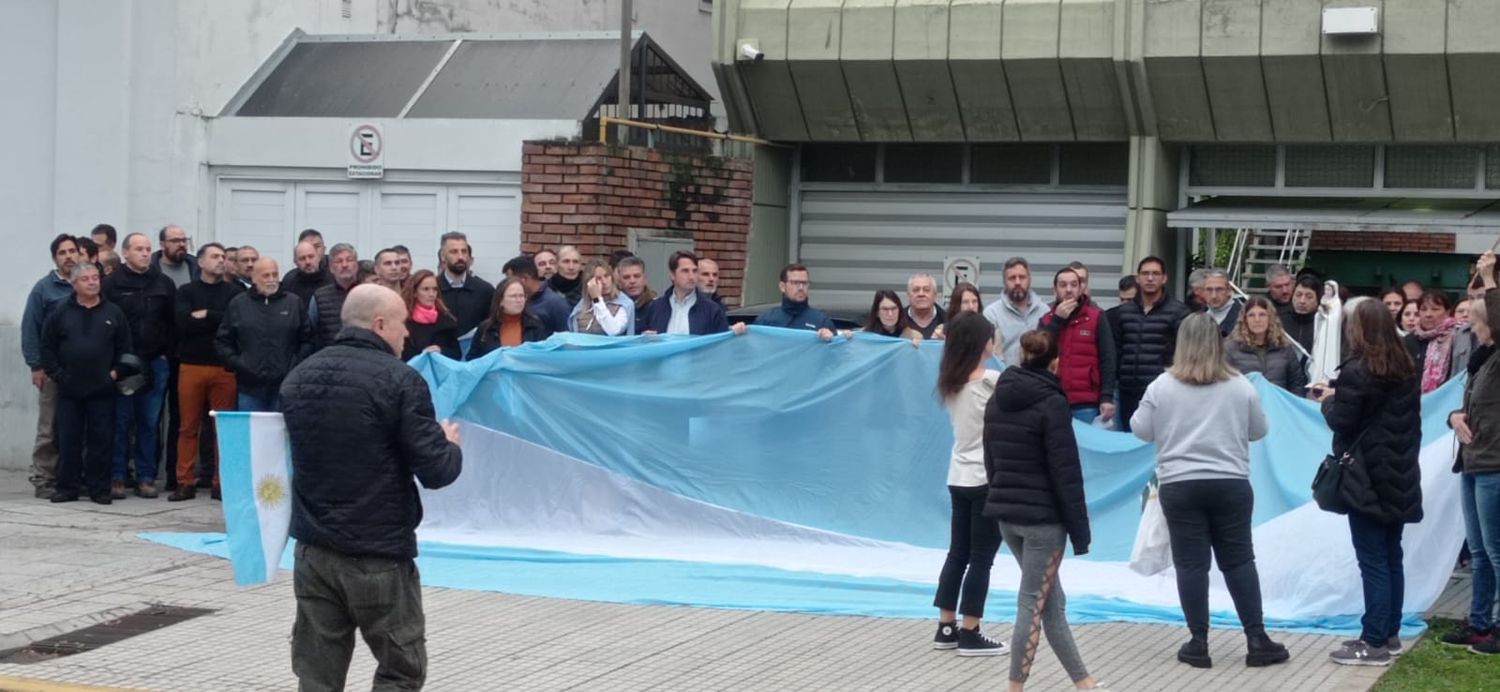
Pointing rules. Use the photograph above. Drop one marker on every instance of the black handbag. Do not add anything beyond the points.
(1328, 482)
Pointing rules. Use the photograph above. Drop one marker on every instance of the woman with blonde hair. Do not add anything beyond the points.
(603, 309)
(1202, 414)
(1258, 344)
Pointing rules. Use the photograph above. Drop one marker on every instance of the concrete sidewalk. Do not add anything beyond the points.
(66, 566)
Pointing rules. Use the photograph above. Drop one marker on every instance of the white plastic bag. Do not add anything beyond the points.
(1153, 544)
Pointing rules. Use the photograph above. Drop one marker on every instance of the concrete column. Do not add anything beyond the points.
(1153, 192)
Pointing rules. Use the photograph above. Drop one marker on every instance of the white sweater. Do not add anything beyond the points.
(1200, 431)
(966, 411)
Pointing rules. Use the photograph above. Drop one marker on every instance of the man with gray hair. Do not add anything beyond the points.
(1279, 284)
(327, 303)
(1218, 300)
(1195, 290)
(82, 342)
(361, 426)
(922, 310)
(264, 334)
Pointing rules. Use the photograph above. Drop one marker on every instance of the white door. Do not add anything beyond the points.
(256, 213)
(337, 210)
(411, 215)
(491, 218)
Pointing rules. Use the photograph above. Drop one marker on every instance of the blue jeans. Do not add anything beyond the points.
(1481, 505)
(1377, 548)
(141, 412)
(1085, 413)
(246, 401)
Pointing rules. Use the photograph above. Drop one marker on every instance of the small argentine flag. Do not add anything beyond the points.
(255, 473)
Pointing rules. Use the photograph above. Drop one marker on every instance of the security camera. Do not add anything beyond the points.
(749, 52)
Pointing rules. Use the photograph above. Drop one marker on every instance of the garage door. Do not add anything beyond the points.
(371, 215)
(857, 242)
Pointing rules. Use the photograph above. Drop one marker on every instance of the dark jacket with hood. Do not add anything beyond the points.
(795, 315)
(81, 345)
(1147, 340)
(1385, 482)
(361, 425)
(149, 300)
(1280, 365)
(1299, 328)
(262, 338)
(487, 334)
(1482, 403)
(1031, 456)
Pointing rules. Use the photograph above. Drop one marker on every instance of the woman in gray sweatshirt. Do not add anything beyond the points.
(1202, 414)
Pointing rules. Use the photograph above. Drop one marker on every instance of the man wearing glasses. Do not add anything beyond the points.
(173, 259)
(794, 312)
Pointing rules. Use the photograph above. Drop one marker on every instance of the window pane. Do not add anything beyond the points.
(924, 163)
(1011, 164)
(838, 163)
(1492, 166)
(1233, 166)
(1330, 166)
(1094, 164)
(1432, 167)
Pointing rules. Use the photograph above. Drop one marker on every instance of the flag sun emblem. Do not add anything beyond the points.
(271, 490)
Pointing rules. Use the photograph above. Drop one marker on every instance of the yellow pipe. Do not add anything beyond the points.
(605, 121)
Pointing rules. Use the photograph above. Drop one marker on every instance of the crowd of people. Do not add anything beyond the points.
(129, 349)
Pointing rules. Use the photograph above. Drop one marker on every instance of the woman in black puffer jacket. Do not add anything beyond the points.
(1374, 408)
(1036, 491)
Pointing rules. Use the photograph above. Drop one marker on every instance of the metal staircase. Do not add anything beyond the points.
(1256, 250)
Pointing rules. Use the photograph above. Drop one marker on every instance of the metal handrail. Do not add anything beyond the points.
(605, 121)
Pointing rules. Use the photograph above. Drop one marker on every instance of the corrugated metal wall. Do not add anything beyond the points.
(857, 241)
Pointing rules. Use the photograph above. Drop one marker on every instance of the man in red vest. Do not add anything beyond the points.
(1085, 349)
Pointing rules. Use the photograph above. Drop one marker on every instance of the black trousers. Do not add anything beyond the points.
(1130, 400)
(971, 553)
(85, 440)
(1213, 516)
(337, 593)
(168, 435)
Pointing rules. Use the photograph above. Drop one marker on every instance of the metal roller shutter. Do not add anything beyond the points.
(855, 242)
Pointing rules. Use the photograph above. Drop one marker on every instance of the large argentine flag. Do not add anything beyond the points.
(256, 476)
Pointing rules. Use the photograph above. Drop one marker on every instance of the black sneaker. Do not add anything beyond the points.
(1488, 646)
(1465, 636)
(946, 637)
(1195, 653)
(1356, 652)
(60, 496)
(976, 643)
(104, 499)
(1393, 646)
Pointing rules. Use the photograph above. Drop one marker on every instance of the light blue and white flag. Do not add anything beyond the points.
(255, 469)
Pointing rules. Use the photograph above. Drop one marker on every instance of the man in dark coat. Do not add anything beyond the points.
(327, 304)
(361, 425)
(265, 333)
(1147, 335)
(469, 297)
(203, 383)
(794, 311)
(309, 274)
(147, 298)
(81, 343)
(685, 309)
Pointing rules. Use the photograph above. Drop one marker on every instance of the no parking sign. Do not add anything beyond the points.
(958, 270)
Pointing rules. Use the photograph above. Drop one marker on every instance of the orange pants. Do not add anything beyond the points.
(199, 388)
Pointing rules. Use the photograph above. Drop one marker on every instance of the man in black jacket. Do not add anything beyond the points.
(202, 381)
(147, 298)
(309, 274)
(1147, 335)
(361, 425)
(466, 295)
(81, 342)
(265, 333)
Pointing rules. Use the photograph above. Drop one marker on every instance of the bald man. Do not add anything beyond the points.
(310, 274)
(264, 334)
(362, 426)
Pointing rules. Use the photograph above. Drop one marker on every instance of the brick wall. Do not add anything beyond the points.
(1382, 241)
(590, 195)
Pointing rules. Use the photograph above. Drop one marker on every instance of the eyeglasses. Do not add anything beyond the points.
(803, 284)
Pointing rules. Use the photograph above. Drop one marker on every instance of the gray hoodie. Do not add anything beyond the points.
(1012, 322)
(1201, 431)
